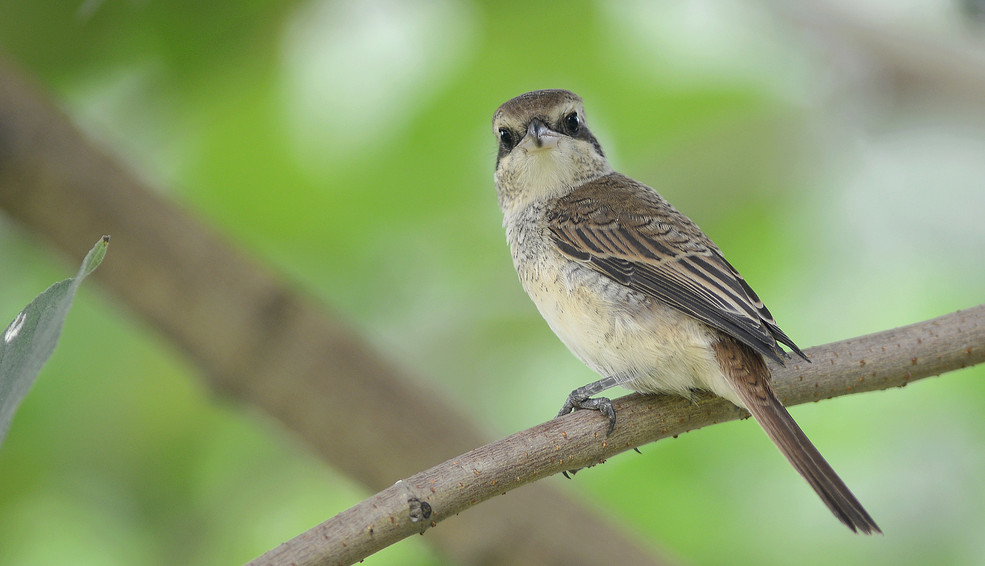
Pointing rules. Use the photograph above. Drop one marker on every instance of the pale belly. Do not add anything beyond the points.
(644, 344)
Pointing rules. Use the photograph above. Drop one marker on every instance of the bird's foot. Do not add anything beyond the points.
(601, 404)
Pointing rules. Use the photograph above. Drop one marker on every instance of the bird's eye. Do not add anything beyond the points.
(572, 123)
(506, 138)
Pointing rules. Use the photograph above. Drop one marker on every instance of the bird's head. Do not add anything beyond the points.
(545, 148)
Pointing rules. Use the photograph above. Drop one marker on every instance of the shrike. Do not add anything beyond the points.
(634, 288)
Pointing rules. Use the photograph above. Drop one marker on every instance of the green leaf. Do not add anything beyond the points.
(29, 340)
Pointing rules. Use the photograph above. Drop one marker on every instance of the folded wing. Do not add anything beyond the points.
(662, 254)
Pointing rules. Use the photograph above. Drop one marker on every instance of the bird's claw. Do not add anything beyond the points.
(601, 404)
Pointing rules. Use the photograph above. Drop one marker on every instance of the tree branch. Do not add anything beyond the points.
(883, 360)
(910, 60)
(260, 341)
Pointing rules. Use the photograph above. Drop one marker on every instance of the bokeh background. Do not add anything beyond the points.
(835, 152)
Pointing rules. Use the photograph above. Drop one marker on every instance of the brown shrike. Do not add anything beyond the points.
(634, 288)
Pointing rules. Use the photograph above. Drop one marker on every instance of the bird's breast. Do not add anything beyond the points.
(618, 332)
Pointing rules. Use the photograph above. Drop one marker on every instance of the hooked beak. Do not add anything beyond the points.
(540, 137)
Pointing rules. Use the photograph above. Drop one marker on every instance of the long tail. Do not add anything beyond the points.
(750, 379)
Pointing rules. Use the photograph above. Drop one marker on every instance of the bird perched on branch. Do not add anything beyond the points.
(634, 288)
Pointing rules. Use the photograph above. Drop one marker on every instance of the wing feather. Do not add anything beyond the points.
(659, 252)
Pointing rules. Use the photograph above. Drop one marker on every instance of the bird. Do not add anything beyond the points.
(634, 288)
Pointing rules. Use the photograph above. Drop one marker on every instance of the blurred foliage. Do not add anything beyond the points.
(348, 144)
(30, 338)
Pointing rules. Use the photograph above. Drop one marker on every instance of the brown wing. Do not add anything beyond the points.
(659, 252)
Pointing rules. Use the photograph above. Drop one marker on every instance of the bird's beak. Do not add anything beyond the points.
(540, 137)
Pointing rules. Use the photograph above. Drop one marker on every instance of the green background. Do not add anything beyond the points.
(348, 145)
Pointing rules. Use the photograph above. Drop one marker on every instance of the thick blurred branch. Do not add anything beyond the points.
(946, 69)
(260, 341)
(878, 361)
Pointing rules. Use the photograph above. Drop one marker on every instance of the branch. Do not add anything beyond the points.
(883, 360)
(946, 69)
(258, 340)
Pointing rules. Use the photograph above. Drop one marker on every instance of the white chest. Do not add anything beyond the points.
(645, 344)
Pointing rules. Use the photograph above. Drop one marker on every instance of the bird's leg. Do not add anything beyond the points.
(581, 398)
